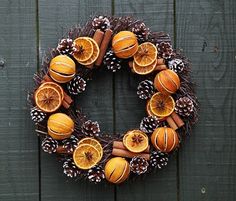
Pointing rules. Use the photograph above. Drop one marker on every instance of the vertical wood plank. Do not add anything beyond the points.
(55, 18)
(18, 145)
(206, 31)
(158, 15)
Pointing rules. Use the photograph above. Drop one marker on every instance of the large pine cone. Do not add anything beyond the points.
(184, 106)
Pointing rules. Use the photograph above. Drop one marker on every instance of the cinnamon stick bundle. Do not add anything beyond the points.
(128, 154)
(120, 145)
(175, 121)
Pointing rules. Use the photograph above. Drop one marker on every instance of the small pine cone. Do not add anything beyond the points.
(141, 31)
(138, 165)
(165, 50)
(112, 62)
(177, 65)
(96, 174)
(101, 22)
(149, 124)
(70, 144)
(70, 169)
(65, 46)
(90, 128)
(184, 106)
(145, 89)
(76, 85)
(158, 159)
(49, 145)
(37, 115)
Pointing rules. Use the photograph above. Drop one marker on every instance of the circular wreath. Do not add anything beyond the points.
(166, 86)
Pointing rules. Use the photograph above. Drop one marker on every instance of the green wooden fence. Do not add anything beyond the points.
(204, 168)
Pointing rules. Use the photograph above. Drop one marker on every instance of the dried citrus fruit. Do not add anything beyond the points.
(84, 49)
(162, 105)
(150, 113)
(56, 86)
(146, 54)
(144, 70)
(136, 141)
(93, 142)
(48, 99)
(86, 156)
(95, 54)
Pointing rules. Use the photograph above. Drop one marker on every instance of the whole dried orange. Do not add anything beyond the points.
(146, 54)
(84, 49)
(95, 54)
(86, 156)
(56, 86)
(162, 105)
(135, 141)
(48, 98)
(93, 142)
(144, 70)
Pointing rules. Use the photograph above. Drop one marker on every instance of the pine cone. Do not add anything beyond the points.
(184, 106)
(145, 89)
(177, 65)
(141, 31)
(65, 46)
(90, 128)
(70, 144)
(101, 22)
(37, 115)
(149, 124)
(76, 85)
(112, 62)
(165, 50)
(49, 145)
(138, 165)
(158, 159)
(70, 169)
(96, 174)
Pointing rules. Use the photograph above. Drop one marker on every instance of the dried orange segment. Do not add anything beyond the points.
(84, 49)
(162, 105)
(48, 99)
(146, 54)
(93, 142)
(136, 141)
(95, 54)
(144, 70)
(86, 156)
(56, 86)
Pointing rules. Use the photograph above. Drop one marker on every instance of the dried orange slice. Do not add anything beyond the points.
(146, 54)
(93, 142)
(84, 49)
(47, 98)
(56, 86)
(144, 70)
(95, 54)
(162, 105)
(150, 113)
(86, 156)
(136, 141)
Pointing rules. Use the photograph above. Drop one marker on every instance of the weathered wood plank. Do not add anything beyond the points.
(130, 110)
(18, 147)
(206, 31)
(54, 18)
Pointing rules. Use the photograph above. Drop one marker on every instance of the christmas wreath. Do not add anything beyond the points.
(166, 86)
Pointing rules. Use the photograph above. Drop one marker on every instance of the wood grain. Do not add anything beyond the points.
(206, 31)
(130, 109)
(18, 145)
(55, 17)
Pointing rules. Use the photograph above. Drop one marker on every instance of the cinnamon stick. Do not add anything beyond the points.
(130, 64)
(128, 154)
(160, 61)
(104, 46)
(98, 37)
(171, 122)
(177, 119)
(62, 150)
(120, 145)
(160, 67)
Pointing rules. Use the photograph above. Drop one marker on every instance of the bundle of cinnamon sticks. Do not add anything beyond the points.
(174, 121)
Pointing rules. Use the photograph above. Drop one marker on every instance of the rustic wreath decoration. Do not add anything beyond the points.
(166, 86)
